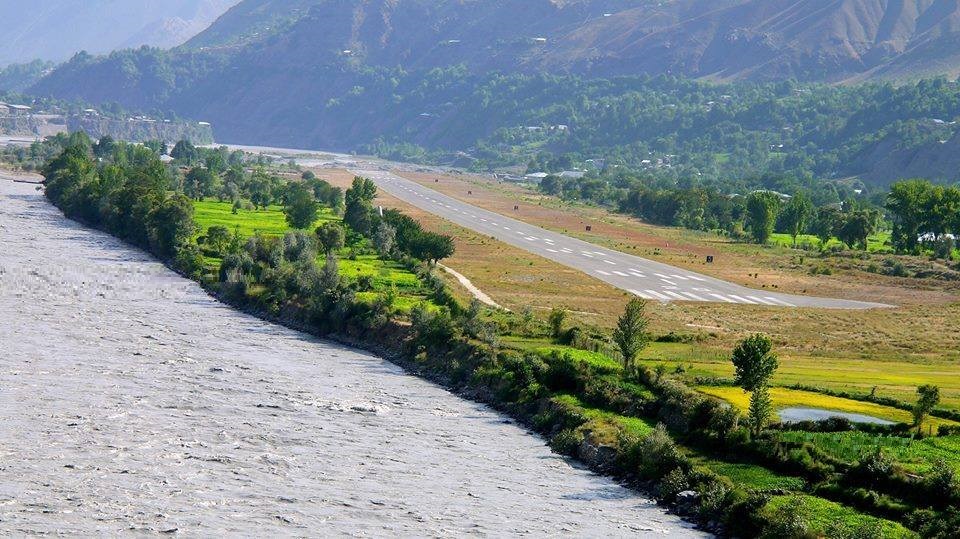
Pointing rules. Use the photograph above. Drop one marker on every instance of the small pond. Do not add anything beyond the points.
(792, 415)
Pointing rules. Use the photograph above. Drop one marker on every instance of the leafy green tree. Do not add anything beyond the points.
(218, 238)
(907, 202)
(300, 208)
(330, 236)
(855, 228)
(825, 224)
(358, 207)
(171, 226)
(104, 147)
(431, 247)
(185, 152)
(754, 364)
(384, 238)
(795, 215)
(762, 208)
(201, 182)
(630, 335)
(928, 397)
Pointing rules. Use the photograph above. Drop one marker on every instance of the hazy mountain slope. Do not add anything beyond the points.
(56, 29)
(826, 40)
(250, 20)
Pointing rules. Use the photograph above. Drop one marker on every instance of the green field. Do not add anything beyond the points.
(879, 242)
(270, 221)
(384, 275)
(824, 516)
(916, 456)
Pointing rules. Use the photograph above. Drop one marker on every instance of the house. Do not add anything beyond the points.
(536, 177)
(572, 174)
(19, 110)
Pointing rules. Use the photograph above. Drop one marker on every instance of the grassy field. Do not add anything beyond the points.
(825, 515)
(270, 221)
(916, 456)
(787, 398)
(877, 243)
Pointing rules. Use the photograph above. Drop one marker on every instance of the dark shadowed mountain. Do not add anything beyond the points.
(56, 29)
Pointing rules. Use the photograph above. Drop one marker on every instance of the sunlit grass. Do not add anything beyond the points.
(823, 514)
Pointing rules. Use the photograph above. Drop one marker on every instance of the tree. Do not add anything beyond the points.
(762, 207)
(330, 236)
(557, 318)
(104, 147)
(358, 205)
(630, 335)
(171, 226)
(825, 224)
(218, 238)
(754, 365)
(928, 397)
(906, 201)
(796, 214)
(855, 228)
(431, 247)
(185, 151)
(300, 208)
(200, 182)
(384, 238)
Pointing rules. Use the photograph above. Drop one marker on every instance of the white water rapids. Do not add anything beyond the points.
(133, 403)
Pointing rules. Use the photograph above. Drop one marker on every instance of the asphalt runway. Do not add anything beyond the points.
(639, 276)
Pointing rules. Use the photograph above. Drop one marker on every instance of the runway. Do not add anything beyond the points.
(639, 276)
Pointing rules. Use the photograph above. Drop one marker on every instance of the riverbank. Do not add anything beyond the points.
(137, 402)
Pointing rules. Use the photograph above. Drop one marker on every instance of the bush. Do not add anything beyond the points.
(567, 442)
(675, 482)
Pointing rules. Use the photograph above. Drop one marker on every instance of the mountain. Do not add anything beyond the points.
(811, 40)
(505, 79)
(54, 30)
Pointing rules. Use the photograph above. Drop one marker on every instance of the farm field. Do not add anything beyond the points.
(787, 398)
(916, 456)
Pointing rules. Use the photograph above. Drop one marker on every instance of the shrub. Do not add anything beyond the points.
(675, 482)
(567, 442)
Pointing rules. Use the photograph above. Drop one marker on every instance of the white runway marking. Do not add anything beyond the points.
(611, 262)
(694, 296)
(620, 273)
(641, 294)
(763, 301)
(601, 272)
(781, 302)
(742, 300)
(674, 294)
(723, 298)
(658, 295)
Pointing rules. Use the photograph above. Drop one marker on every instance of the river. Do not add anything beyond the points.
(132, 402)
